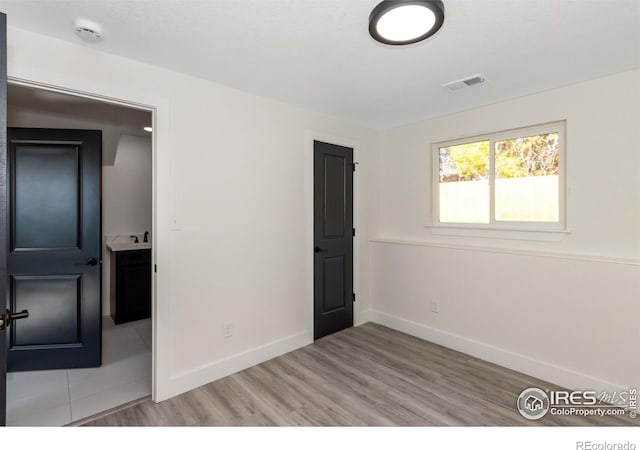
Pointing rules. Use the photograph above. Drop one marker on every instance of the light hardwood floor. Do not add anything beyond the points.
(364, 376)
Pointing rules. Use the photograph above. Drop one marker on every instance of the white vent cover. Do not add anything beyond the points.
(88, 31)
(473, 80)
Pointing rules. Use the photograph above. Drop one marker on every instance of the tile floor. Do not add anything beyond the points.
(59, 397)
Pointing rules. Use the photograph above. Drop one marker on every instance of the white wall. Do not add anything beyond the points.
(230, 168)
(565, 311)
(126, 199)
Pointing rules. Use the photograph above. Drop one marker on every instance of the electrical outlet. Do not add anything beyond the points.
(435, 306)
(228, 329)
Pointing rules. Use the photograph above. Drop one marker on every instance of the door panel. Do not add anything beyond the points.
(46, 197)
(333, 274)
(55, 251)
(333, 238)
(3, 213)
(60, 310)
(334, 196)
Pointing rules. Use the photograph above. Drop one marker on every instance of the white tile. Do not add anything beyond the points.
(46, 397)
(144, 330)
(38, 398)
(118, 333)
(41, 417)
(42, 400)
(147, 340)
(46, 384)
(116, 350)
(124, 359)
(110, 398)
(143, 325)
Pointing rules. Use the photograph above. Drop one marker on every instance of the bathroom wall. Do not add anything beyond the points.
(23, 116)
(126, 198)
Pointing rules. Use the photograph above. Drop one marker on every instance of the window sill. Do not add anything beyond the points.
(528, 234)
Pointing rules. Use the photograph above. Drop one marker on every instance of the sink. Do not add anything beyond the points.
(123, 243)
(125, 246)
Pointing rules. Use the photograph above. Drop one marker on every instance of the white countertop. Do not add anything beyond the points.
(123, 243)
(125, 246)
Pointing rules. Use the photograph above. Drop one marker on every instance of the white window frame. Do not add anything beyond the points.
(495, 228)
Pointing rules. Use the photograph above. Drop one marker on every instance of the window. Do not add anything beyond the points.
(511, 180)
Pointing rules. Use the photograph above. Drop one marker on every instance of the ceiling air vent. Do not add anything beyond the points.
(457, 85)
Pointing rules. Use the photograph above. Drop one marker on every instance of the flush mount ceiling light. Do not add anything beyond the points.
(402, 22)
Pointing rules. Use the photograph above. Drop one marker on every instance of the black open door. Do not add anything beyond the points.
(54, 251)
(3, 216)
(333, 238)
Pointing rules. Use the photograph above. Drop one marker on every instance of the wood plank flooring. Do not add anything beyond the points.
(364, 376)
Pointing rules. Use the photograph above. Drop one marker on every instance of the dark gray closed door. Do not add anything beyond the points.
(333, 238)
(54, 248)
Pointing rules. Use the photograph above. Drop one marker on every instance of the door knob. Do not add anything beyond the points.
(92, 262)
(317, 249)
(5, 319)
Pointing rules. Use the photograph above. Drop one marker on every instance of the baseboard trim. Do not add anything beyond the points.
(207, 373)
(362, 317)
(561, 376)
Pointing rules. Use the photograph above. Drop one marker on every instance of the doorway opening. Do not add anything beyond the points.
(59, 396)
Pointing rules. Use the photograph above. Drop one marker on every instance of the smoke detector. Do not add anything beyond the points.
(471, 81)
(88, 31)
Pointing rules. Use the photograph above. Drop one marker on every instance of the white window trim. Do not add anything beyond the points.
(539, 231)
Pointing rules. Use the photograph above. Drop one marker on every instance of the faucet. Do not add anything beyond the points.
(135, 239)
(146, 237)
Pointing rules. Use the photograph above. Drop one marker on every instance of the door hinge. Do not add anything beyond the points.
(354, 166)
(354, 296)
(155, 268)
(354, 232)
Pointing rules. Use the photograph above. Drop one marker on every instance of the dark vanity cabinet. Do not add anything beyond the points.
(130, 285)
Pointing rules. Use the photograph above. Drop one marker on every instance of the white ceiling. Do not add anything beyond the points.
(318, 53)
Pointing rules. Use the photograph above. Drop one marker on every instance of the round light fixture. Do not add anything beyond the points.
(402, 22)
